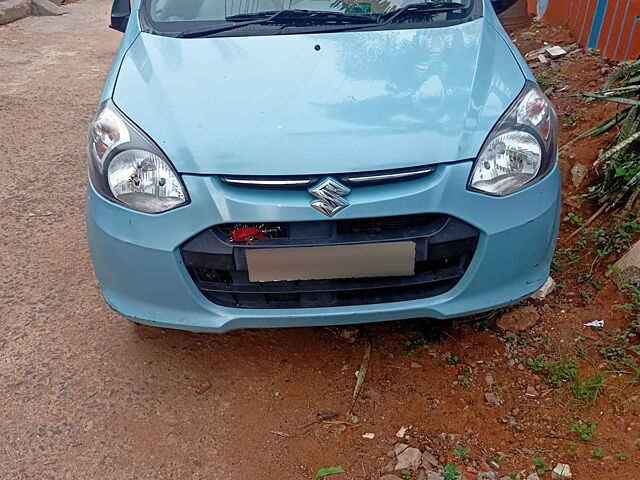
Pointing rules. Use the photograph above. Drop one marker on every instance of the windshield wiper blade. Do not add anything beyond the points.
(305, 16)
(203, 32)
(280, 17)
(424, 8)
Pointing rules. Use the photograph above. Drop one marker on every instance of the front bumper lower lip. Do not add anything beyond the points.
(139, 267)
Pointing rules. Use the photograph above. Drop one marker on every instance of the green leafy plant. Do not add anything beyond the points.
(461, 452)
(619, 181)
(326, 471)
(557, 372)
(535, 364)
(618, 238)
(453, 360)
(570, 120)
(543, 80)
(410, 346)
(585, 429)
(405, 473)
(581, 351)
(597, 452)
(541, 465)
(575, 219)
(587, 390)
(622, 456)
(572, 449)
(560, 372)
(450, 472)
(466, 381)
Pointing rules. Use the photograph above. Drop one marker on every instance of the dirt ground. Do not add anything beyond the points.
(86, 394)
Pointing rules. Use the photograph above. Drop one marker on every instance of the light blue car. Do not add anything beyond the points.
(282, 163)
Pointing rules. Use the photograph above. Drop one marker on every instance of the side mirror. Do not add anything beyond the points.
(120, 12)
(501, 5)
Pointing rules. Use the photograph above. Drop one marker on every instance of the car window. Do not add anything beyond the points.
(174, 15)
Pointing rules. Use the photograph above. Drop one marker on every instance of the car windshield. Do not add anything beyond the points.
(184, 18)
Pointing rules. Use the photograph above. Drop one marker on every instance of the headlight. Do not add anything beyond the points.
(521, 148)
(126, 166)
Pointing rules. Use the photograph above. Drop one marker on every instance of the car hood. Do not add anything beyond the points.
(319, 103)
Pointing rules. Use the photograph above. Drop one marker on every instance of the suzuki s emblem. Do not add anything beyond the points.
(329, 193)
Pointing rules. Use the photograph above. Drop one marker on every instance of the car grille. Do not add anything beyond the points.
(444, 248)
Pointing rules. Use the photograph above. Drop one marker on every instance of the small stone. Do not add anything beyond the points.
(492, 399)
(434, 476)
(548, 287)
(415, 365)
(494, 465)
(519, 319)
(520, 367)
(488, 475)
(13, 10)
(401, 432)
(531, 392)
(561, 472)
(578, 173)
(542, 59)
(533, 476)
(409, 459)
(422, 475)
(45, 8)
(339, 429)
(556, 51)
(429, 460)
(369, 436)
(488, 379)
(535, 53)
(349, 333)
(352, 418)
(627, 269)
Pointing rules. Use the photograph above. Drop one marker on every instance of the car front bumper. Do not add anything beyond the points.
(140, 270)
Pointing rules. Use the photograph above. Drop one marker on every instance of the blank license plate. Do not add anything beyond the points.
(337, 261)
